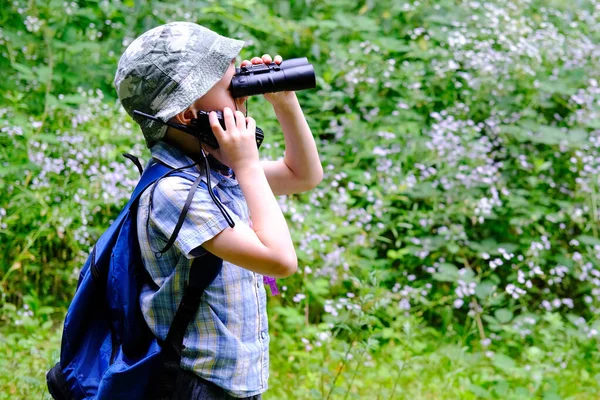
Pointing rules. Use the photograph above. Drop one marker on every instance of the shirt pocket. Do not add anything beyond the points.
(233, 198)
(225, 196)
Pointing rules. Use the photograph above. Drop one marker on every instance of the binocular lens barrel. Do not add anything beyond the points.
(294, 62)
(293, 74)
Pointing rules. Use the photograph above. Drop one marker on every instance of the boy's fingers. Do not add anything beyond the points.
(251, 124)
(267, 58)
(229, 120)
(239, 120)
(215, 125)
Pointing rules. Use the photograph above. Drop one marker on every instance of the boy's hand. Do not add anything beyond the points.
(237, 143)
(277, 98)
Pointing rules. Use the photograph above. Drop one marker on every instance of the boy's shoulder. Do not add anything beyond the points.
(168, 197)
(172, 192)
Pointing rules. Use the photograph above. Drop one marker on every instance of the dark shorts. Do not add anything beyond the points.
(191, 387)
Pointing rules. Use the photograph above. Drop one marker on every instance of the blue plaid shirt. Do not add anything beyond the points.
(228, 342)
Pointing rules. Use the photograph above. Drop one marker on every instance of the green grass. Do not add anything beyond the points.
(414, 363)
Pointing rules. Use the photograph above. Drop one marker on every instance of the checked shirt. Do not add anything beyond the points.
(228, 342)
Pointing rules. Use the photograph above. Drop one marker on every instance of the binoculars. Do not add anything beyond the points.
(293, 74)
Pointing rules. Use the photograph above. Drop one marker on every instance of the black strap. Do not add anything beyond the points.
(182, 215)
(181, 219)
(136, 161)
(203, 272)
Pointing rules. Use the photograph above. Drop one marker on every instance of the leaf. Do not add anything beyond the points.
(45, 310)
(47, 138)
(479, 392)
(551, 395)
(44, 74)
(522, 392)
(515, 131)
(492, 323)
(446, 273)
(503, 362)
(541, 165)
(577, 136)
(423, 190)
(453, 248)
(25, 72)
(397, 254)
(534, 353)
(529, 130)
(73, 99)
(589, 240)
(558, 86)
(503, 315)
(593, 123)
(548, 135)
(501, 388)
(484, 289)
(393, 44)
(318, 287)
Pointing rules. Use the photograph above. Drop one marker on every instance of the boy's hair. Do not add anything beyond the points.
(166, 69)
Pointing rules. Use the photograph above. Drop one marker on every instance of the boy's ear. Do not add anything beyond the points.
(185, 117)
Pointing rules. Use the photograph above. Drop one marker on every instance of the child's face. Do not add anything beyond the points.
(219, 96)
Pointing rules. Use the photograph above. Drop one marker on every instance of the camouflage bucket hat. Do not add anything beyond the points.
(166, 69)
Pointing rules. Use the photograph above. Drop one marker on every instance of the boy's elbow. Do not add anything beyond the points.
(314, 181)
(287, 268)
(292, 268)
(318, 178)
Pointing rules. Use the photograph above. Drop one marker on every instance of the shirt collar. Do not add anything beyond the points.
(175, 158)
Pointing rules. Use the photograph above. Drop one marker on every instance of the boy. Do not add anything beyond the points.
(173, 71)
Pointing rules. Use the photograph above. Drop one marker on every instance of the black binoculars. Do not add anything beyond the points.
(293, 74)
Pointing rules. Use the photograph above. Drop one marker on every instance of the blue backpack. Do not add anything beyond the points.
(107, 350)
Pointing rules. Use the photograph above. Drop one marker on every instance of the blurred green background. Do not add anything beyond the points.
(452, 249)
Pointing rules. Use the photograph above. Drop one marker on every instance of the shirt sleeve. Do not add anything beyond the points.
(202, 222)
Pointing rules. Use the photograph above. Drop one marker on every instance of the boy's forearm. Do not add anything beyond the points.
(267, 219)
(301, 155)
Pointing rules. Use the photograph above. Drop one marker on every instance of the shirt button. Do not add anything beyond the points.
(263, 335)
(257, 282)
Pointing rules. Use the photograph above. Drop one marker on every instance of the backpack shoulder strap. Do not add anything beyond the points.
(150, 175)
(203, 272)
(184, 211)
(183, 214)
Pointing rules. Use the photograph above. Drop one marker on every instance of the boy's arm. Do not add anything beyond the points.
(300, 169)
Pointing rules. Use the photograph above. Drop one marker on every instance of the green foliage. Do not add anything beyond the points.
(452, 249)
